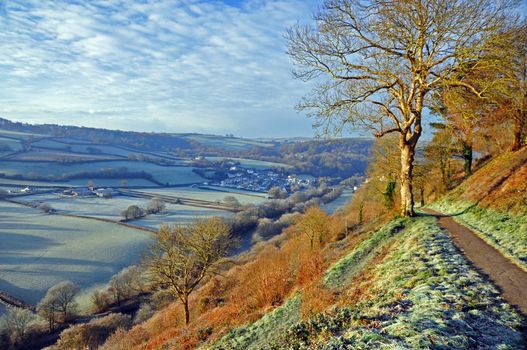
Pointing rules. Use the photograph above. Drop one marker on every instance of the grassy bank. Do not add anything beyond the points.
(406, 286)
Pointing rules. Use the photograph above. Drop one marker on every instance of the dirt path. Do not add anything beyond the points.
(511, 280)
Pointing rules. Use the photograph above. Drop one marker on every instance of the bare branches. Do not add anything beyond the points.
(182, 256)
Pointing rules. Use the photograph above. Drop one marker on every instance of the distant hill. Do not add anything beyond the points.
(340, 158)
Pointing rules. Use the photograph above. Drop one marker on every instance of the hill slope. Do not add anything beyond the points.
(400, 284)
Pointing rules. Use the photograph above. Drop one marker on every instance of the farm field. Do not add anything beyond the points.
(40, 250)
(178, 214)
(233, 143)
(111, 208)
(210, 195)
(57, 155)
(253, 163)
(173, 175)
(19, 135)
(15, 145)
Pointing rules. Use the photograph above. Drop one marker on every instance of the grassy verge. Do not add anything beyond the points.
(262, 332)
(506, 232)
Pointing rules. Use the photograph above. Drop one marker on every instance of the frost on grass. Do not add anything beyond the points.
(340, 273)
(506, 232)
(262, 332)
(423, 295)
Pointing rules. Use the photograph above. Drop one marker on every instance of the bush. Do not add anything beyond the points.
(93, 334)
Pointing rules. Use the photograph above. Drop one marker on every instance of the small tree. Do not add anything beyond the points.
(126, 283)
(17, 322)
(313, 224)
(133, 212)
(231, 201)
(276, 193)
(155, 206)
(59, 299)
(182, 256)
(47, 310)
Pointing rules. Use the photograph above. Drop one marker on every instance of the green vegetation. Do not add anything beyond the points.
(505, 231)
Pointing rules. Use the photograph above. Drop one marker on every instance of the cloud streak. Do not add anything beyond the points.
(167, 65)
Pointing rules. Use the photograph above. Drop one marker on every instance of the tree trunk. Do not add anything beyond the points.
(467, 158)
(185, 305)
(518, 134)
(407, 165)
(422, 191)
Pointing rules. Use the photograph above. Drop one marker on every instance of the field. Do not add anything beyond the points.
(253, 163)
(243, 197)
(39, 250)
(57, 155)
(228, 143)
(111, 208)
(172, 175)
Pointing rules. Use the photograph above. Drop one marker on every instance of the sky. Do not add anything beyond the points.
(207, 66)
(165, 65)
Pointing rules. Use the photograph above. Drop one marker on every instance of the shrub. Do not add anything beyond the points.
(16, 324)
(93, 334)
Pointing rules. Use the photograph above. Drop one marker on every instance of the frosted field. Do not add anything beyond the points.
(111, 208)
(209, 195)
(14, 144)
(103, 208)
(173, 175)
(179, 214)
(38, 251)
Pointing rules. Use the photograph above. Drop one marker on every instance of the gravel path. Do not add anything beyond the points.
(510, 279)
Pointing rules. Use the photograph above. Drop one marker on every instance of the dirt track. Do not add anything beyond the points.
(510, 279)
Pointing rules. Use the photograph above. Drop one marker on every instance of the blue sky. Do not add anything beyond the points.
(153, 65)
(166, 65)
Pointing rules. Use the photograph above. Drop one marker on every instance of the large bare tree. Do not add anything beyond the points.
(375, 62)
(183, 255)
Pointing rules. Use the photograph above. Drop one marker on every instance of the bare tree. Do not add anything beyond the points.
(182, 256)
(155, 206)
(17, 323)
(60, 299)
(126, 283)
(382, 58)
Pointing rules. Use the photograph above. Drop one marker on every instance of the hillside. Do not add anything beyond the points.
(387, 284)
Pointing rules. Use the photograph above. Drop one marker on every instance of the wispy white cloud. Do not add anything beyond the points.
(166, 65)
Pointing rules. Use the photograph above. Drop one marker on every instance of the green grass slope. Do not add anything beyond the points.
(404, 287)
(493, 202)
